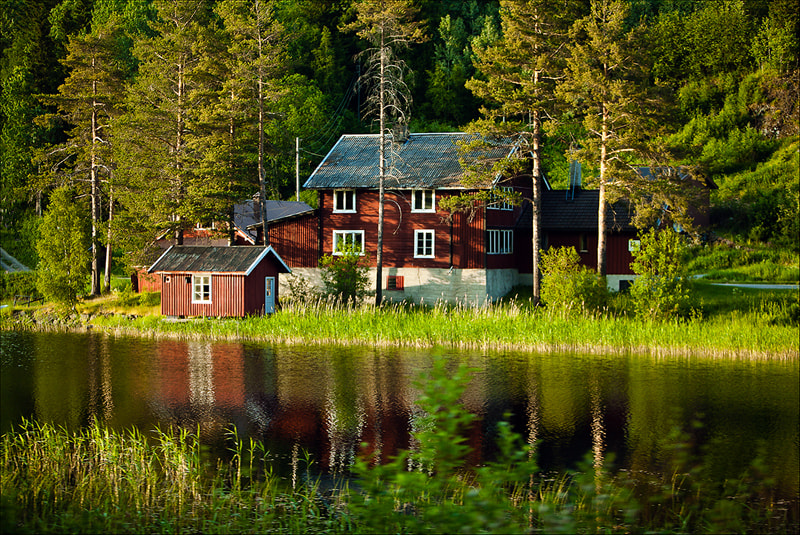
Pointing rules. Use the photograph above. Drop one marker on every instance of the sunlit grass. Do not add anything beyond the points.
(760, 327)
(726, 322)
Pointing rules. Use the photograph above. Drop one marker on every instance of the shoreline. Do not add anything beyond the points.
(244, 330)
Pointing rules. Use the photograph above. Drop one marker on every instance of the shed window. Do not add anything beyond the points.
(344, 200)
(423, 243)
(423, 200)
(201, 288)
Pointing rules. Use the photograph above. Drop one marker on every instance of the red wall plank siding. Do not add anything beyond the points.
(296, 240)
(227, 296)
(618, 258)
(467, 236)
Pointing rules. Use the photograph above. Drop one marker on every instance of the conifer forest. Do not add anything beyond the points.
(149, 117)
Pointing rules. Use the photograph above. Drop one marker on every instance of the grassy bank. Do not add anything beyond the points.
(96, 480)
(728, 322)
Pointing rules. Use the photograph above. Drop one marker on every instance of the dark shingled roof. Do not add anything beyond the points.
(424, 161)
(195, 259)
(565, 210)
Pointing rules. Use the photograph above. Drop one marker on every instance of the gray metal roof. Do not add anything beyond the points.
(196, 259)
(9, 264)
(424, 161)
(247, 214)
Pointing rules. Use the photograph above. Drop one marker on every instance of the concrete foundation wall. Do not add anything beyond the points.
(428, 285)
(613, 281)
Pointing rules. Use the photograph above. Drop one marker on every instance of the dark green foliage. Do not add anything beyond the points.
(567, 285)
(22, 283)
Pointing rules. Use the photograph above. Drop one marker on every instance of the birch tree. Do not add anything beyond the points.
(388, 26)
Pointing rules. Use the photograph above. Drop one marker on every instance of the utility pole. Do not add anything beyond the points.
(297, 168)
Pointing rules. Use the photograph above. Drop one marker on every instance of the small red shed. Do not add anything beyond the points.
(218, 281)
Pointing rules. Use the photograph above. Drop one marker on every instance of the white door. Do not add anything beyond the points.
(269, 295)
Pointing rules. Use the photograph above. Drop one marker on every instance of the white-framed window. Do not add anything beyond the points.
(344, 200)
(201, 288)
(498, 202)
(423, 200)
(500, 241)
(348, 240)
(423, 243)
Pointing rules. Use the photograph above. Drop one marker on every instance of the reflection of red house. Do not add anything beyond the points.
(218, 281)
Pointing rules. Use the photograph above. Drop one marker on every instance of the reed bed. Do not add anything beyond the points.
(100, 481)
(513, 326)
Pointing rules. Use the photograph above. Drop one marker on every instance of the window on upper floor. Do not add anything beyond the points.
(498, 201)
(348, 241)
(500, 241)
(423, 243)
(201, 289)
(344, 200)
(423, 200)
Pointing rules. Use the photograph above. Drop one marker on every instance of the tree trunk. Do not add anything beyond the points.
(95, 196)
(262, 178)
(107, 277)
(537, 202)
(382, 165)
(601, 208)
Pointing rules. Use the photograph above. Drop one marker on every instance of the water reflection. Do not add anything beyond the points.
(328, 401)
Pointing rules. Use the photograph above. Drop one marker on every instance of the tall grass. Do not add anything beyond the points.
(96, 480)
(763, 331)
(727, 322)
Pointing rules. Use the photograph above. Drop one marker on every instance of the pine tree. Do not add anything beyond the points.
(605, 82)
(518, 78)
(164, 188)
(257, 60)
(89, 100)
(388, 26)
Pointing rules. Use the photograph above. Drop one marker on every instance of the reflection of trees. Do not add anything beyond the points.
(598, 430)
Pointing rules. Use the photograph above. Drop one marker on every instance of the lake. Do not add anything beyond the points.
(323, 402)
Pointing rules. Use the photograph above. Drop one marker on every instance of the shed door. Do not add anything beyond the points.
(269, 295)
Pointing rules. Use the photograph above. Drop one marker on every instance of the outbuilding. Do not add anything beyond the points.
(218, 281)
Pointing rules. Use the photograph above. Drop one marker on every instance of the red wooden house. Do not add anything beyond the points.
(427, 255)
(218, 281)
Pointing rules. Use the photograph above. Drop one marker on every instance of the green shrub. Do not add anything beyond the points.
(149, 299)
(63, 251)
(20, 283)
(432, 490)
(663, 288)
(345, 275)
(569, 286)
